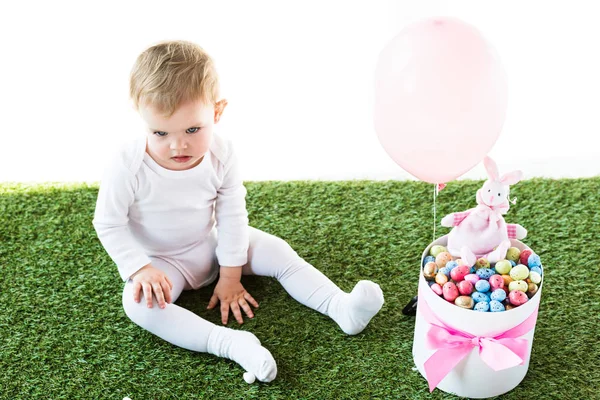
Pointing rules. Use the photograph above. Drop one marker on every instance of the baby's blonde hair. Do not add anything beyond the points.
(171, 73)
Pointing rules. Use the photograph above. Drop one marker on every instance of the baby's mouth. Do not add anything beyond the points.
(181, 159)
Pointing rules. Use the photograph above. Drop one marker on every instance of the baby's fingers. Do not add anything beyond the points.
(147, 293)
(250, 299)
(158, 293)
(213, 302)
(137, 287)
(167, 291)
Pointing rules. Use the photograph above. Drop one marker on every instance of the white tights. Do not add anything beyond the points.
(267, 256)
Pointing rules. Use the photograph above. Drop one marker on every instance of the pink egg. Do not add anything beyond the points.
(450, 291)
(437, 289)
(496, 282)
(473, 278)
(517, 297)
(465, 287)
(458, 274)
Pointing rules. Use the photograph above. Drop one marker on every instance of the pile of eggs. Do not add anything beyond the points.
(507, 284)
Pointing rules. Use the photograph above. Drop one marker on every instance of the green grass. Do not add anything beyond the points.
(64, 334)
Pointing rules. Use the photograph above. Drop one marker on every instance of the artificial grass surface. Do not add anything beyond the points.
(65, 335)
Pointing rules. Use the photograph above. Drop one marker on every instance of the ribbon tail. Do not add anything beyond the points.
(442, 362)
(499, 356)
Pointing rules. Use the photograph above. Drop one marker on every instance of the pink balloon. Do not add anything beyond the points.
(440, 98)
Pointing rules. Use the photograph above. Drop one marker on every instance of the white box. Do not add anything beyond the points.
(472, 377)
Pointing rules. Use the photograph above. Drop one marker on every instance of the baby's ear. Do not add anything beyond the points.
(511, 178)
(219, 107)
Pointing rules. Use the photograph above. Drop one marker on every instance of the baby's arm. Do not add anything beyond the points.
(232, 243)
(116, 195)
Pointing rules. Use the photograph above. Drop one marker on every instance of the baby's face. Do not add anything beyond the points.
(180, 141)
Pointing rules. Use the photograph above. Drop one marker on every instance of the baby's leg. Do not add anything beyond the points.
(269, 255)
(185, 329)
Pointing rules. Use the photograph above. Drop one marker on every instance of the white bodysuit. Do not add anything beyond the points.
(187, 224)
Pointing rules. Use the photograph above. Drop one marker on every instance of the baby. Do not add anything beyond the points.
(171, 213)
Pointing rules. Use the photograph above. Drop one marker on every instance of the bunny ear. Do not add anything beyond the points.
(491, 168)
(511, 178)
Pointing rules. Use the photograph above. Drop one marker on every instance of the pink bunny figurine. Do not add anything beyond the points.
(479, 230)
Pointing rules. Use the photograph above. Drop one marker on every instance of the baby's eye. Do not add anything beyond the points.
(192, 130)
(160, 133)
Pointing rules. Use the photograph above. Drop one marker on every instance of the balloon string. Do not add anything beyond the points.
(434, 196)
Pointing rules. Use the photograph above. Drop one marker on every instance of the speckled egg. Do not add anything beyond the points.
(503, 267)
(478, 296)
(450, 291)
(473, 278)
(451, 265)
(445, 271)
(459, 261)
(535, 277)
(437, 249)
(521, 286)
(430, 270)
(509, 306)
(482, 306)
(465, 288)
(437, 289)
(498, 295)
(534, 261)
(458, 274)
(482, 286)
(524, 256)
(441, 278)
(513, 254)
(519, 273)
(428, 259)
(517, 297)
(496, 306)
(442, 259)
(496, 282)
(532, 289)
(512, 263)
(536, 269)
(464, 301)
(507, 280)
(484, 273)
(482, 263)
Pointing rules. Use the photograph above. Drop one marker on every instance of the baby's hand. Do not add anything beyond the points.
(150, 279)
(231, 294)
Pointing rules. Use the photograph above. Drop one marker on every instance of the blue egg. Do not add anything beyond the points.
(514, 264)
(428, 259)
(480, 296)
(451, 265)
(534, 260)
(482, 285)
(496, 306)
(473, 269)
(445, 270)
(484, 273)
(536, 269)
(482, 306)
(498, 295)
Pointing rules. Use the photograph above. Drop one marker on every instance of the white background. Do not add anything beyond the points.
(298, 76)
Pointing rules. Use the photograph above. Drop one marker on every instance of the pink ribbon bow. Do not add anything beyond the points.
(502, 351)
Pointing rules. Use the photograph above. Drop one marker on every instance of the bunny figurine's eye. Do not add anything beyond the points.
(498, 194)
(489, 190)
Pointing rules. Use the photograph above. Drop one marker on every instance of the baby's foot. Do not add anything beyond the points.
(353, 311)
(244, 348)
